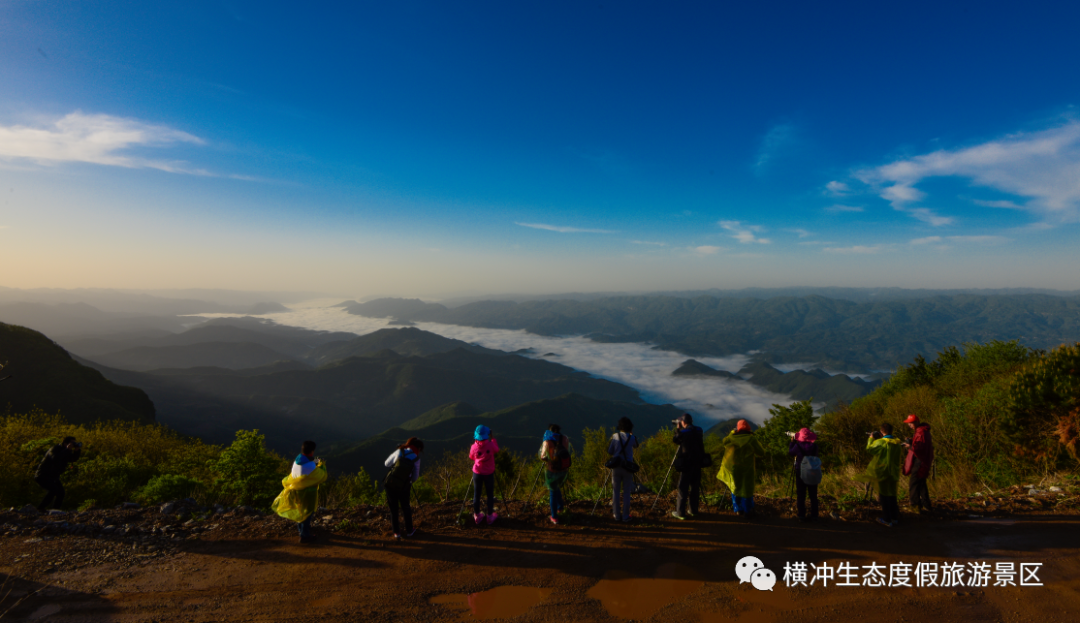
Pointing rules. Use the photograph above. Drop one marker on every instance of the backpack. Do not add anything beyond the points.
(561, 462)
(620, 461)
(810, 470)
(400, 475)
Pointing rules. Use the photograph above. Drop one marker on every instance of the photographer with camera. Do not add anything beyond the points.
(51, 467)
(920, 456)
(689, 461)
(738, 470)
(884, 471)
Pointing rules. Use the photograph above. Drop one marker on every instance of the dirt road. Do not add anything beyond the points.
(588, 569)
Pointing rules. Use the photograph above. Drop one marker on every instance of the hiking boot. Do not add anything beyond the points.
(554, 520)
(413, 533)
(491, 518)
(616, 517)
(478, 518)
(397, 536)
(883, 522)
(626, 519)
(676, 515)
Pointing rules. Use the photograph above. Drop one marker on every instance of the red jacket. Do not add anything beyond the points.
(922, 447)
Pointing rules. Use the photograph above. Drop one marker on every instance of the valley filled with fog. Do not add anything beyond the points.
(637, 365)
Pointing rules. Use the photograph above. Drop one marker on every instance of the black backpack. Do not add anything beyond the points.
(561, 462)
(400, 475)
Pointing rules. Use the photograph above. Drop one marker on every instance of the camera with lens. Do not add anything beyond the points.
(789, 434)
(876, 434)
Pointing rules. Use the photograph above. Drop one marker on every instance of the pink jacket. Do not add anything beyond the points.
(483, 455)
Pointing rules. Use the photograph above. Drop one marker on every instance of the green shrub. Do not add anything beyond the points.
(246, 472)
(166, 487)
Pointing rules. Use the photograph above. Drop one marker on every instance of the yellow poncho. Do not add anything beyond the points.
(884, 469)
(738, 469)
(301, 495)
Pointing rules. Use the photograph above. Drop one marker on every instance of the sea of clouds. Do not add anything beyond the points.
(637, 365)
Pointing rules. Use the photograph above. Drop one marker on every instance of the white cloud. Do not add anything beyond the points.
(843, 208)
(802, 233)
(744, 233)
(1001, 203)
(856, 250)
(566, 230)
(97, 139)
(960, 239)
(837, 189)
(927, 215)
(777, 138)
(1042, 166)
(657, 244)
(708, 250)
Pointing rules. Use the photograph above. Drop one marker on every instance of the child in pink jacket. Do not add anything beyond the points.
(482, 454)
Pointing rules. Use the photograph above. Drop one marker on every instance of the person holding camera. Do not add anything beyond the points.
(884, 471)
(917, 465)
(688, 462)
(621, 448)
(54, 464)
(738, 470)
(804, 444)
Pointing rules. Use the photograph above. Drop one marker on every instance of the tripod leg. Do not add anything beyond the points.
(664, 484)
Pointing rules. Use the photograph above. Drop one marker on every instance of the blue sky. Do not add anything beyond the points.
(431, 149)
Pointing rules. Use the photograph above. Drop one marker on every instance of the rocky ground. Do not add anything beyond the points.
(183, 562)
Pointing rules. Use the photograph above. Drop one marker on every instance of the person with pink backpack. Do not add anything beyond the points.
(482, 454)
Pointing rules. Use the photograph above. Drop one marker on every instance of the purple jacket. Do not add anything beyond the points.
(799, 449)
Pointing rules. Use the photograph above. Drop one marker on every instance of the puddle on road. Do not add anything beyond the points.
(640, 598)
(498, 603)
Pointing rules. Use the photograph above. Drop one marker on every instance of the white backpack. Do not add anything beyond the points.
(810, 470)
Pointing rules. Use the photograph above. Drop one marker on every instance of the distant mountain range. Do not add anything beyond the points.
(815, 384)
(366, 386)
(827, 332)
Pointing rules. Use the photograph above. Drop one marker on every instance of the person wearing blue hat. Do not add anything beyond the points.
(482, 454)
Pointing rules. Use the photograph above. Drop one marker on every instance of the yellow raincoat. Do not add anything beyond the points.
(301, 495)
(884, 469)
(738, 469)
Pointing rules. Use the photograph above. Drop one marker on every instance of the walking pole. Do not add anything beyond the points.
(535, 482)
(597, 502)
(664, 484)
(467, 492)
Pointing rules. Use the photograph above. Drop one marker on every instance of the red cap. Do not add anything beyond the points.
(912, 419)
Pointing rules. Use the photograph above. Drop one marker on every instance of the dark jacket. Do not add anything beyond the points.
(799, 449)
(56, 461)
(691, 442)
(922, 448)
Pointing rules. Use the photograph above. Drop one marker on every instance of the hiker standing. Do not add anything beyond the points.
(884, 472)
(300, 497)
(51, 467)
(738, 470)
(482, 454)
(621, 448)
(555, 452)
(689, 460)
(804, 444)
(404, 464)
(920, 457)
